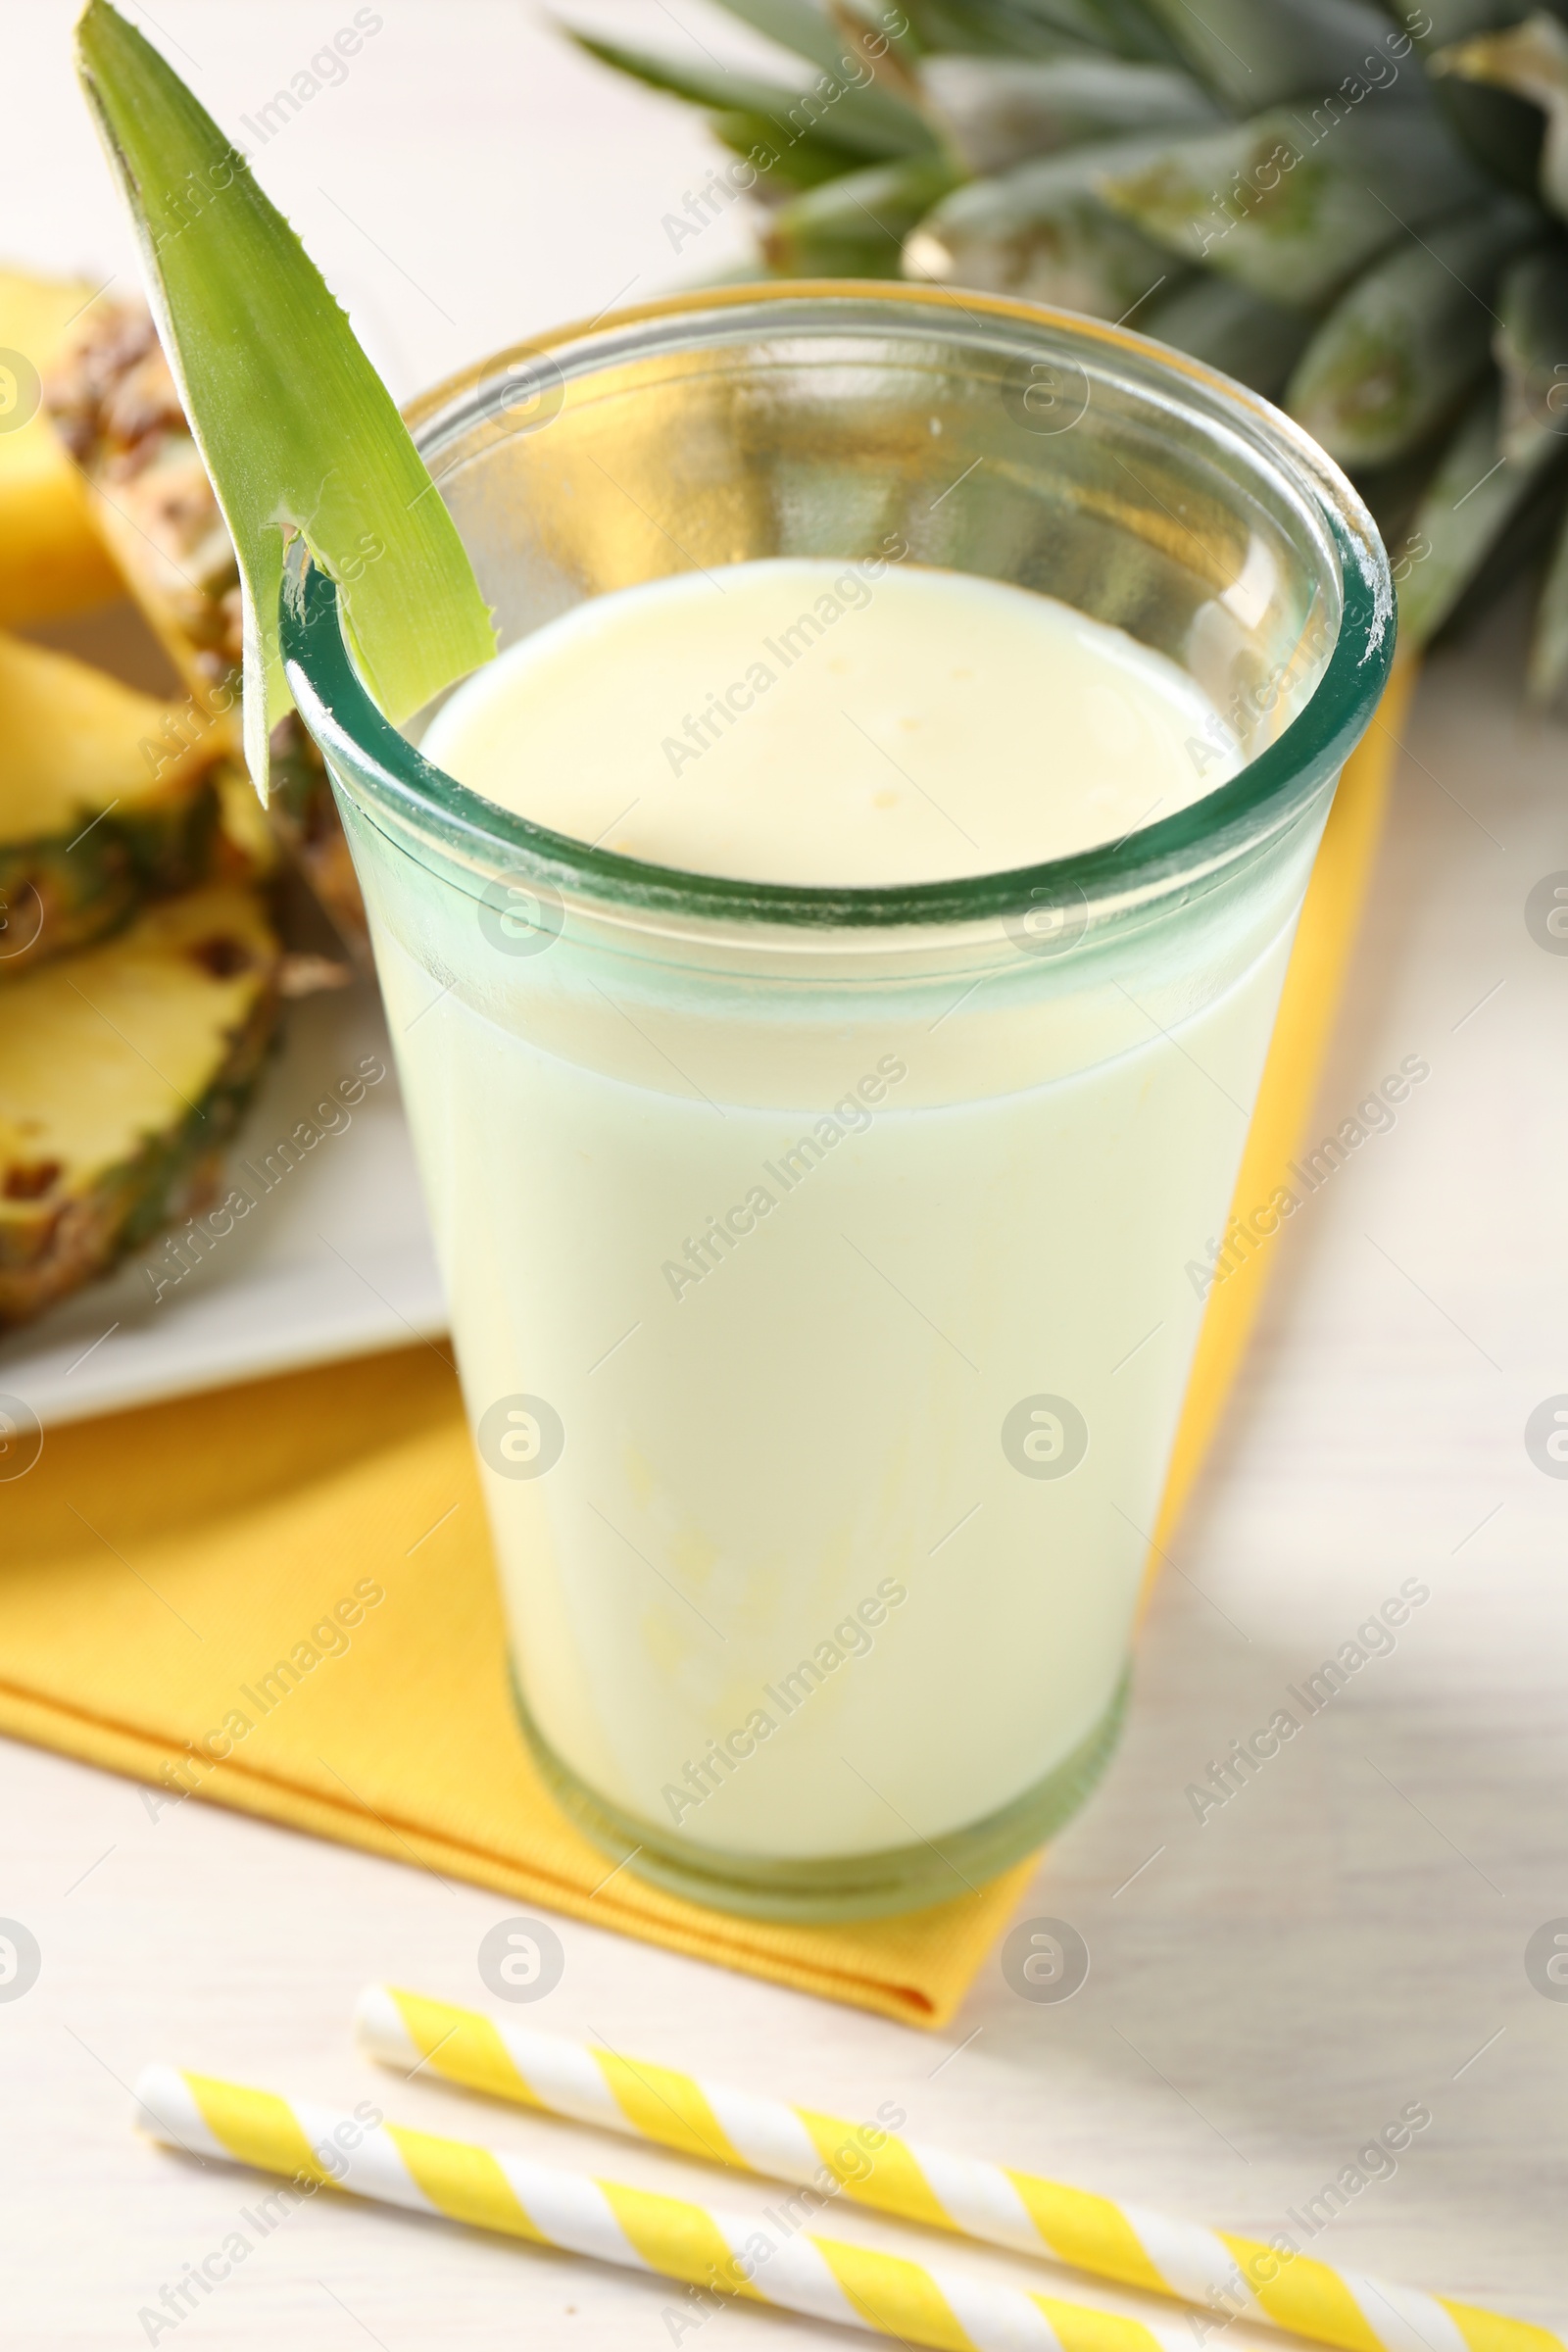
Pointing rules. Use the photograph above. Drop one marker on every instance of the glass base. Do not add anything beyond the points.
(896, 1878)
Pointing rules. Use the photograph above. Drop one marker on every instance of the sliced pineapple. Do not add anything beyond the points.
(106, 798)
(248, 847)
(303, 815)
(115, 407)
(52, 559)
(117, 411)
(122, 1072)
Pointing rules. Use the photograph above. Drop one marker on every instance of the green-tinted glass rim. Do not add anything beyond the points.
(1254, 803)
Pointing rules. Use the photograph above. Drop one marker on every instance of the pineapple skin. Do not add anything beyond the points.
(57, 898)
(106, 799)
(117, 408)
(63, 1225)
(304, 817)
(116, 415)
(52, 559)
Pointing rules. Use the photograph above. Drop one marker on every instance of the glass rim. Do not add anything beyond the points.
(1258, 800)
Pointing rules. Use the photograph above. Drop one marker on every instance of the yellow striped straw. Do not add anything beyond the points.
(1231, 2277)
(769, 2261)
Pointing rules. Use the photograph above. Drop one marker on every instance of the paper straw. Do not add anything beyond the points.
(1230, 2277)
(769, 2261)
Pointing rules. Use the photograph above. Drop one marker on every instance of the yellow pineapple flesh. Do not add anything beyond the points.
(107, 798)
(123, 1071)
(52, 559)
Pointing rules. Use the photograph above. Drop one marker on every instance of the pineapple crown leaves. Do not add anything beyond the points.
(1530, 59)
(298, 432)
(1356, 206)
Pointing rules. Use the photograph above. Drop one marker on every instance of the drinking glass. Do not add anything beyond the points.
(825, 1264)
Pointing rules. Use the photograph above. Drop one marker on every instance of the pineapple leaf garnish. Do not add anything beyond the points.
(296, 428)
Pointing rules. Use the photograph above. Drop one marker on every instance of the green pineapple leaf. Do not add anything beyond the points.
(1296, 202)
(802, 161)
(298, 432)
(1005, 29)
(1531, 347)
(1318, 249)
(1126, 28)
(996, 112)
(1548, 645)
(871, 21)
(863, 122)
(854, 227)
(1472, 498)
(874, 54)
(1241, 333)
(1530, 59)
(1413, 336)
(796, 26)
(1042, 232)
(1254, 56)
(1437, 22)
(1046, 27)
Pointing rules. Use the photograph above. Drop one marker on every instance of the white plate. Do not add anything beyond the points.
(334, 1260)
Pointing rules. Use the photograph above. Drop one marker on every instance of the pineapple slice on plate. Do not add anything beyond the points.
(122, 1073)
(107, 797)
(117, 411)
(116, 408)
(52, 559)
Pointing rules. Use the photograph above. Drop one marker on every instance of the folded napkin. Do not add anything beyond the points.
(281, 1596)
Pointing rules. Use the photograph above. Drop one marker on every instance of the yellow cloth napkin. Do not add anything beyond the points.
(160, 1566)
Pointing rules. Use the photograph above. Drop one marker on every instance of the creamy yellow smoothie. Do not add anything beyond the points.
(805, 721)
(825, 1369)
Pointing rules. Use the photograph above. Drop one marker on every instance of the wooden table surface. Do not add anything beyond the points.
(1270, 1988)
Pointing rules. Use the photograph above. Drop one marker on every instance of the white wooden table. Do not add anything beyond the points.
(1269, 1988)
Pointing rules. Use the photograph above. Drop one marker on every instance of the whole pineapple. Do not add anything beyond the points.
(1358, 210)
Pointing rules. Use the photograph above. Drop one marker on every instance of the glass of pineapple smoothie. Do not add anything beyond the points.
(831, 956)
